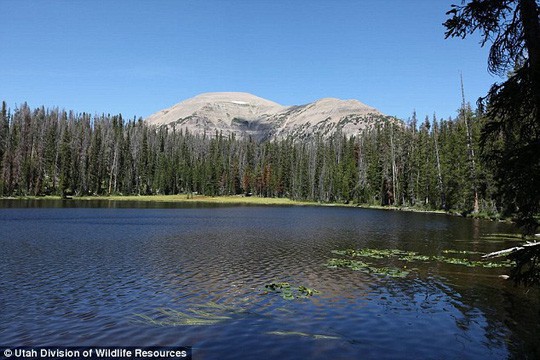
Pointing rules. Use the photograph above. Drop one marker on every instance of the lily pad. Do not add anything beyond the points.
(276, 286)
(415, 257)
(408, 256)
(346, 263)
(389, 271)
(373, 253)
(307, 291)
(367, 268)
(288, 292)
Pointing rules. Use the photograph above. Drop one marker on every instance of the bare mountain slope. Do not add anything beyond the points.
(248, 115)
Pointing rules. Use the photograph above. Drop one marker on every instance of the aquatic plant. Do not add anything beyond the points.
(372, 253)
(415, 257)
(408, 256)
(389, 271)
(193, 317)
(288, 292)
(302, 334)
(208, 313)
(276, 286)
(305, 291)
(501, 237)
(462, 252)
(472, 263)
(346, 263)
(365, 267)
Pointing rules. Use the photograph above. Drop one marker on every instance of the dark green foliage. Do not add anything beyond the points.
(511, 137)
(55, 152)
(527, 269)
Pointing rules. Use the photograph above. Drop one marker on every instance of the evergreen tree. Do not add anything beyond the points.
(512, 134)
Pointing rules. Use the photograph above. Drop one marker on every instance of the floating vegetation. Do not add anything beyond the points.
(305, 291)
(282, 288)
(346, 263)
(469, 263)
(415, 257)
(389, 271)
(373, 253)
(501, 237)
(365, 267)
(276, 286)
(407, 256)
(288, 292)
(462, 252)
(298, 333)
(209, 313)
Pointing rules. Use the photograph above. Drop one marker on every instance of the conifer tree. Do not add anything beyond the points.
(512, 135)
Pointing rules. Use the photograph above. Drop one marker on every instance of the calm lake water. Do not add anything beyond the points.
(135, 276)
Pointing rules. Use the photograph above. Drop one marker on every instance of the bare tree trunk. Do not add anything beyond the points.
(113, 171)
(439, 172)
(470, 149)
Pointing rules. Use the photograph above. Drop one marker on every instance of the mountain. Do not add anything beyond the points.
(248, 115)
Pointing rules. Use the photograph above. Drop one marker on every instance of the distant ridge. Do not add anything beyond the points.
(245, 114)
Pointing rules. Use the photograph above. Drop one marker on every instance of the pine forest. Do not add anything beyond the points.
(432, 164)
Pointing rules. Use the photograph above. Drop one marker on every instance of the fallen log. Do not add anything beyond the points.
(507, 252)
(527, 259)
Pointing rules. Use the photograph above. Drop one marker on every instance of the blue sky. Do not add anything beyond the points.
(138, 57)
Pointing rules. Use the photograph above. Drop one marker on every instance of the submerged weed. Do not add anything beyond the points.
(302, 334)
(193, 317)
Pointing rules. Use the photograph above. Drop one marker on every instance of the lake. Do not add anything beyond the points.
(129, 274)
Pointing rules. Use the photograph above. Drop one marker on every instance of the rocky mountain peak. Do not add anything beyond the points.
(245, 114)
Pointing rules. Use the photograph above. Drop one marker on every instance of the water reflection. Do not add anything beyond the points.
(78, 276)
(103, 204)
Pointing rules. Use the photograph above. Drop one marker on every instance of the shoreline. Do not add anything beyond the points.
(241, 200)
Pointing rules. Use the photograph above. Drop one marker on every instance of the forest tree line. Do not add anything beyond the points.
(430, 164)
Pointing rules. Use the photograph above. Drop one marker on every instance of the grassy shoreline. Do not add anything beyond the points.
(183, 198)
(238, 200)
(226, 200)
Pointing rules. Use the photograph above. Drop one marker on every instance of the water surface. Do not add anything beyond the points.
(113, 277)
